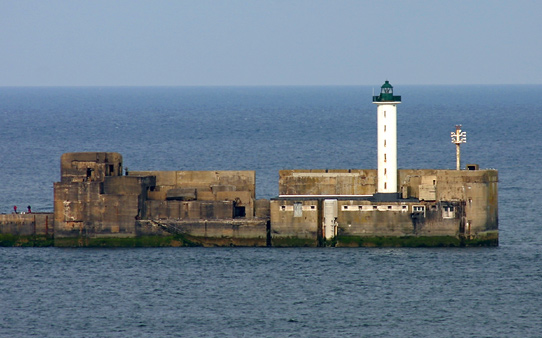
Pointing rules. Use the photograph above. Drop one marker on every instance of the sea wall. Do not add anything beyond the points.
(30, 229)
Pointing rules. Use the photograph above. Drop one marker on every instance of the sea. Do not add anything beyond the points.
(273, 292)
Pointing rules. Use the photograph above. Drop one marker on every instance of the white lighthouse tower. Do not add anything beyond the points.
(387, 142)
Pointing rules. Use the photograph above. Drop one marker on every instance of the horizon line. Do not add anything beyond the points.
(266, 85)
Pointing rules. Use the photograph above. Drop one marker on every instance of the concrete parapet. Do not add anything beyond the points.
(205, 181)
(27, 224)
(31, 229)
(327, 182)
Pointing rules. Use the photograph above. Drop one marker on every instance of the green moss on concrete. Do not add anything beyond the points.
(414, 241)
(488, 238)
(157, 241)
(26, 241)
(226, 241)
(406, 241)
(293, 242)
(132, 242)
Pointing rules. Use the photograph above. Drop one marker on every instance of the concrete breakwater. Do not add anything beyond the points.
(97, 203)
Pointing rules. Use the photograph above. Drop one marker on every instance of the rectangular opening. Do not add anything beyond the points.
(239, 211)
(448, 211)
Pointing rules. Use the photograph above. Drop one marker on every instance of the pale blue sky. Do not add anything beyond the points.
(140, 43)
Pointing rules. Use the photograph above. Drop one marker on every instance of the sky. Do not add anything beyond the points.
(255, 43)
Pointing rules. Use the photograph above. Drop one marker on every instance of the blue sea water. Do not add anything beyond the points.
(268, 292)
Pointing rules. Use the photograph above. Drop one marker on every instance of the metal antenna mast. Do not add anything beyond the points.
(458, 137)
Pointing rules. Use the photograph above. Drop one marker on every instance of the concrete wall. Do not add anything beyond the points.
(27, 224)
(235, 186)
(232, 232)
(93, 200)
(294, 222)
(327, 182)
(89, 166)
(454, 203)
(192, 210)
(366, 218)
(476, 189)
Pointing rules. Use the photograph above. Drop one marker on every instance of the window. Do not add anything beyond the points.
(448, 212)
(418, 208)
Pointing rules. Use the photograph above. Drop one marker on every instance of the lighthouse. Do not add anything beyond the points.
(386, 111)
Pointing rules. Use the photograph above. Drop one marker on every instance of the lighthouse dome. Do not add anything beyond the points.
(386, 94)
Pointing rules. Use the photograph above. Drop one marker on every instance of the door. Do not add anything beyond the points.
(330, 219)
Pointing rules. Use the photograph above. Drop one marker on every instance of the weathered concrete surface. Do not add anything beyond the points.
(31, 229)
(295, 223)
(93, 199)
(90, 166)
(232, 185)
(447, 206)
(223, 232)
(189, 210)
(262, 208)
(96, 206)
(327, 182)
